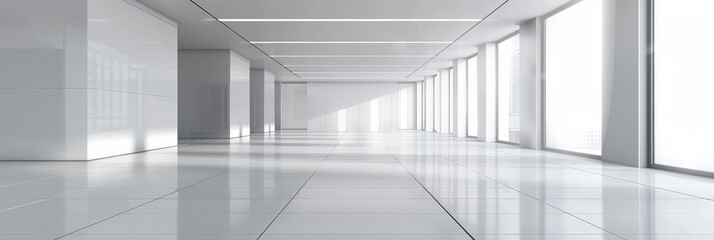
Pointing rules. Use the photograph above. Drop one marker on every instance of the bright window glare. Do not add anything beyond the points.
(508, 90)
(574, 78)
(472, 97)
(682, 86)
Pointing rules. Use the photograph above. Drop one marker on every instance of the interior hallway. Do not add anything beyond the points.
(405, 185)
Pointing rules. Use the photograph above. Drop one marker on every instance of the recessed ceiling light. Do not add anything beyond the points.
(348, 20)
(351, 42)
(344, 56)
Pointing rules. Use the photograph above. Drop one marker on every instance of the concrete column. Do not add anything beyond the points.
(262, 101)
(213, 90)
(487, 92)
(460, 97)
(531, 77)
(624, 107)
(278, 106)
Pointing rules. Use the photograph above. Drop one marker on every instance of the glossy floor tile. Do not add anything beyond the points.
(404, 185)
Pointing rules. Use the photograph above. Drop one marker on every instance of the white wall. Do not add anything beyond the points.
(43, 67)
(294, 106)
(352, 106)
(80, 89)
(132, 79)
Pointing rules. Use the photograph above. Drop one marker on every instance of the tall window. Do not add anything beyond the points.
(508, 90)
(472, 97)
(682, 84)
(407, 106)
(573, 85)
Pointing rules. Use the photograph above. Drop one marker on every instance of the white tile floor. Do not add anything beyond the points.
(406, 185)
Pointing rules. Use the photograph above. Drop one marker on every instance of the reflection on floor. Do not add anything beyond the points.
(406, 185)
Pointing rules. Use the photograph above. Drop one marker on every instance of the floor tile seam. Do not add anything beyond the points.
(143, 204)
(301, 187)
(430, 194)
(622, 179)
(539, 200)
(50, 177)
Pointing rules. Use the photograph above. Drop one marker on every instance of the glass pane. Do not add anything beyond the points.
(573, 88)
(407, 106)
(508, 91)
(682, 84)
(472, 95)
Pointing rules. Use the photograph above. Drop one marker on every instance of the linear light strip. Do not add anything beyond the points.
(350, 42)
(352, 65)
(349, 20)
(354, 56)
(349, 72)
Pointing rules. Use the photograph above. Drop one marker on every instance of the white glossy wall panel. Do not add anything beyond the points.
(239, 96)
(131, 79)
(85, 79)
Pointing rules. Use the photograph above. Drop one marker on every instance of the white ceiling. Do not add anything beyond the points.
(408, 45)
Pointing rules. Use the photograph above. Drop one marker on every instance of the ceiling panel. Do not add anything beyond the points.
(411, 22)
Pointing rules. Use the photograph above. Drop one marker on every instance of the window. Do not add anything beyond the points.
(407, 106)
(508, 90)
(472, 96)
(682, 84)
(573, 87)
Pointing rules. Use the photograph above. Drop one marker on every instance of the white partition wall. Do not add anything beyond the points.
(86, 79)
(294, 106)
(352, 106)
